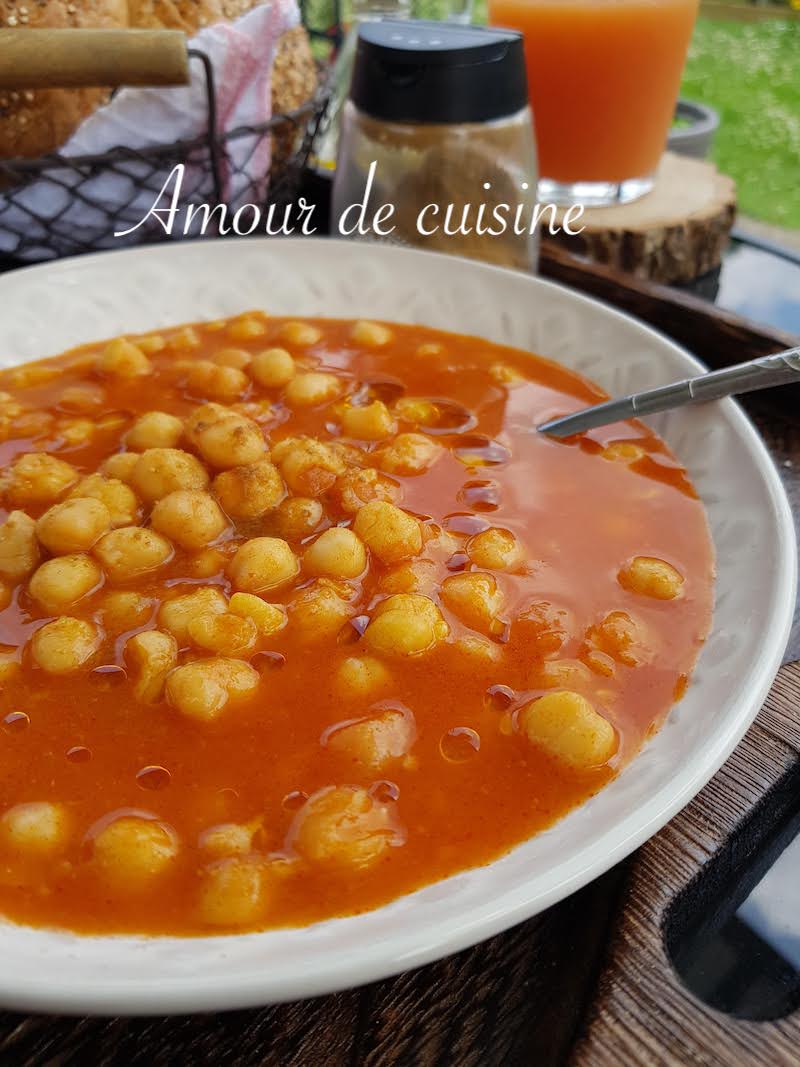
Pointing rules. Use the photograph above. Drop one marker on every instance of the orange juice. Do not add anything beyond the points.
(603, 78)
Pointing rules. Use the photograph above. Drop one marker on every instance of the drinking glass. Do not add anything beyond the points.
(603, 79)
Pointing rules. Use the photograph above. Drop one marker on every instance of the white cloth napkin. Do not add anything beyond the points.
(60, 218)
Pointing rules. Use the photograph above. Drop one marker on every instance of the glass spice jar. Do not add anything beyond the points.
(437, 125)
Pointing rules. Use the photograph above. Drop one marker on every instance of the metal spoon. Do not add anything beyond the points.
(780, 369)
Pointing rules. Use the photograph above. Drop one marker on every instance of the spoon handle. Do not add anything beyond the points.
(780, 369)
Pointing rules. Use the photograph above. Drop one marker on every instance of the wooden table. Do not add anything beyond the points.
(588, 982)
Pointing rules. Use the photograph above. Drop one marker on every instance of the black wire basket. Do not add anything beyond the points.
(55, 206)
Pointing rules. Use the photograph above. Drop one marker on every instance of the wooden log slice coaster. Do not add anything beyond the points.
(673, 234)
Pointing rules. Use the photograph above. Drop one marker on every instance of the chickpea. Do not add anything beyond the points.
(37, 478)
(355, 488)
(246, 329)
(599, 663)
(478, 650)
(268, 618)
(621, 637)
(273, 368)
(545, 627)
(567, 727)
(233, 357)
(248, 492)
(207, 379)
(176, 614)
(562, 674)
(160, 471)
(83, 398)
(152, 655)
(232, 441)
(408, 454)
(58, 583)
(74, 525)
(227, 839)
(336, 553)
(475, 599)
(9, 665)
(415, 576)
(76, 432)
(299, 334)
(123, 359)
(259, 410)
(416, 410)
(131, 852)
(151, 343)
(375, 741)
(36, 829)
(309, 467)
(226, 634)
(350, 455)
(203, 688)
(370, 422)
(389, 532)
(320, 610)
(185, 340)
(371, 334)
(131, 552)
(201, 418)
(34, 374)
(123, 610)
(505, 374)
(118, 498)
(406, 624)
(651, 577)
(155, 429)
(19, 546)
(297, 517)
(206, 564)
(623, 452)
(6, 595)
(234, 891)
(361, 677)
(312, 388)
(263, 564)
(494, 549)
(189, 517)
(119, 466)
(344, 825)
(64, 645)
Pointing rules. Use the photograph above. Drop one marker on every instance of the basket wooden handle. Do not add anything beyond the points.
(79, 59)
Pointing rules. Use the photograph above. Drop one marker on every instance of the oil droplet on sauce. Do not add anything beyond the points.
(460, 744)
(15, 722)
(384, 791)
(294, 800)
(79, 754)
(153, 778)
(267, 661)
(499, 697)
(480, 495)
(108, 676)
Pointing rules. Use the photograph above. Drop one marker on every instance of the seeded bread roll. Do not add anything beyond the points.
(35, 122)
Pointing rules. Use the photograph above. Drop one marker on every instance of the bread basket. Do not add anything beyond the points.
(71, 58)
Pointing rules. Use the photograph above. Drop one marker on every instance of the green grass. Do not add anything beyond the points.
(749, 73)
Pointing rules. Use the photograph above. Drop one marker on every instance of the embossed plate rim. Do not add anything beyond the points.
(48, 307)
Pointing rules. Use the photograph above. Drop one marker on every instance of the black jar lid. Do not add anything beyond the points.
(418, 71)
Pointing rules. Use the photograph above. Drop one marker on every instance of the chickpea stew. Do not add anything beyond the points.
(298, 616)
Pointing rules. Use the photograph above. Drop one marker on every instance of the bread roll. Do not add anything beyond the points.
(33, 122)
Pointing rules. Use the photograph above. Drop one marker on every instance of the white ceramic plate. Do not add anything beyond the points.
(46, 309)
